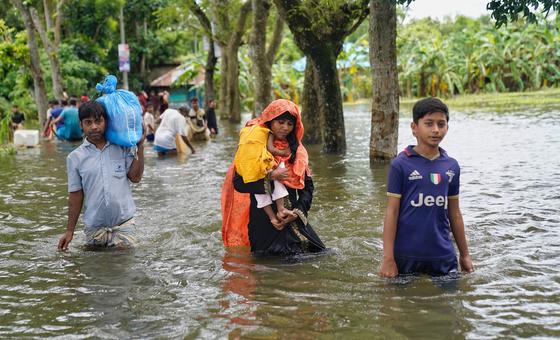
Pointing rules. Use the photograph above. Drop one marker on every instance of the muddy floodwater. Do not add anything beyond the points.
(181, 283)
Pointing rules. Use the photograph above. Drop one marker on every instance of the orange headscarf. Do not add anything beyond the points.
(235, 205)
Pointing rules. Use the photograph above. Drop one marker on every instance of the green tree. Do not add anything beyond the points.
(319, 29)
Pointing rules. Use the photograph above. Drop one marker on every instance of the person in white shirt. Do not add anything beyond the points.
(172, 123)
(149, 123)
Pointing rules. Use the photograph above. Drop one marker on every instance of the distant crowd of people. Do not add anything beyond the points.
(198, 124)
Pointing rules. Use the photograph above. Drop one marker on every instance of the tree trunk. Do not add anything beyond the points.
(422, 85)
(320, 35)
(233, 100)
(39, 89)
(263, 58)
(48, 20)
(261, 68)
(232, 90)
(211, 59)
(52, 54)
(209, 69)
(143, 73)
(224, 64)
(330, 99)
(276, 39)
(311, 114)
(383, 59)
(58, 24)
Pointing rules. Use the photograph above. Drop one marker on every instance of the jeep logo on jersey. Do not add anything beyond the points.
(429, 201)
(435, 178)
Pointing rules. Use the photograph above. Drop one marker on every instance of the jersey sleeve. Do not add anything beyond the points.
(394, 181)
(74, 178)
(454, 184)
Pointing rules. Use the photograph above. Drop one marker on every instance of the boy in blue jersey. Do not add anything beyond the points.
(423, 202)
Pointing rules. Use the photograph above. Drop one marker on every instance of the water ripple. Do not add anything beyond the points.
(180, 282)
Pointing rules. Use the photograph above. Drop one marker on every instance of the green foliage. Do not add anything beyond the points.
(4, 127)
(193, 64)
(79, 75)
(469, 56)
(14, 80)
(435, 58)
(287, 82)
(510, 10)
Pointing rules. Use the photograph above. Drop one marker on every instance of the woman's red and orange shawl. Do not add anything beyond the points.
(235, 205)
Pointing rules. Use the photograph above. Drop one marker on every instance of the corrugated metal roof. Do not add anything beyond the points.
(167, 79)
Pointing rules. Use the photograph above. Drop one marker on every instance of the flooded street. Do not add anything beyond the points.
(180, 282)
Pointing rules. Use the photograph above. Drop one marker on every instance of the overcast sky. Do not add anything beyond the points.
(441, 8)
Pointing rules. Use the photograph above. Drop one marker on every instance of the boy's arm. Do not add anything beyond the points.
(388, 265)
(75, 201)
(458, 230)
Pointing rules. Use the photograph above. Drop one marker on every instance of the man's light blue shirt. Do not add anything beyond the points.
(102, 174)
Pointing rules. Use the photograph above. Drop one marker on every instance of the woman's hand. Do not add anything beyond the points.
(292, 216)
(279, 174)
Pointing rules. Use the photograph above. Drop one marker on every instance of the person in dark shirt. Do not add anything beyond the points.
(17, 118)
(212, 124)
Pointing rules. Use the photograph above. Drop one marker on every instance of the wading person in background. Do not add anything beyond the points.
(58, 128)
(72, 130)
(100, 173)
(423, 202)
(173, 126)
(149, 122)
(48, 128)
(197, 122)
(17, 118)
(211, 118)
(243, 223)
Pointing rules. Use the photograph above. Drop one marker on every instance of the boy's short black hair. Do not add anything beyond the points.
(92, 109)
(73, 102)
(428, 105)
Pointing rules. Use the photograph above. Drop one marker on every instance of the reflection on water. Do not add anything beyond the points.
(180, 282)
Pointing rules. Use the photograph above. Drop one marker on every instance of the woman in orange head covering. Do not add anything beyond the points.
(243, 224)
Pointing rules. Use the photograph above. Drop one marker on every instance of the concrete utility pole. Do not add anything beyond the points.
(123, 41)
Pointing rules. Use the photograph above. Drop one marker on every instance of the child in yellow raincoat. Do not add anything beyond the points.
(254, 160)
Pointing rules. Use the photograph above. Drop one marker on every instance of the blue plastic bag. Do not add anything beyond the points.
(124, 112)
